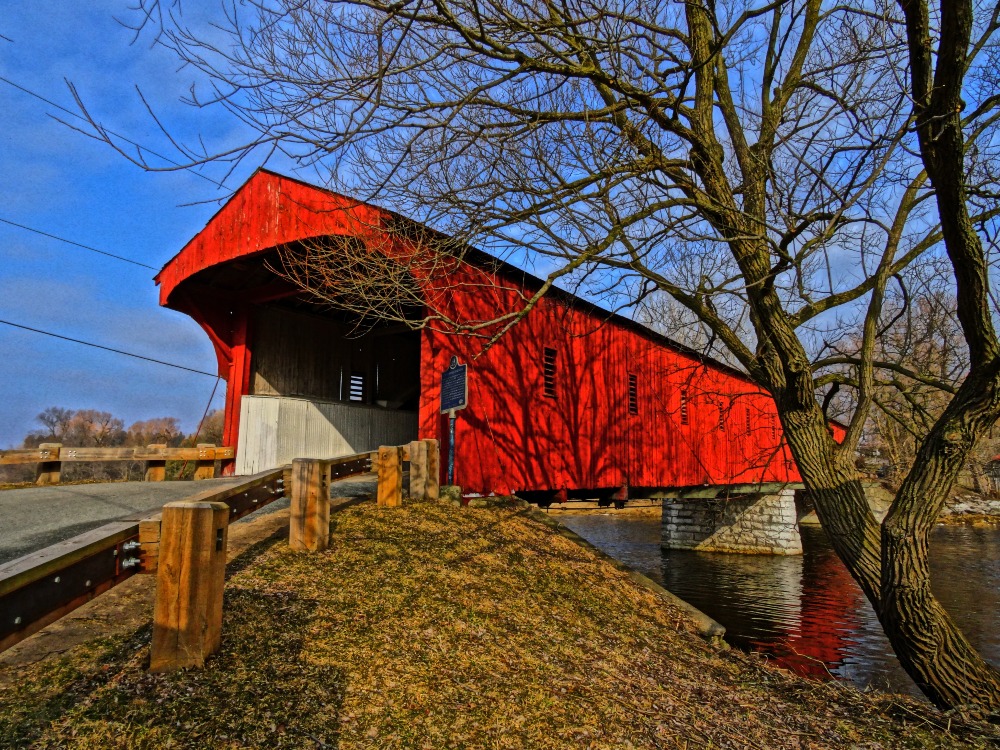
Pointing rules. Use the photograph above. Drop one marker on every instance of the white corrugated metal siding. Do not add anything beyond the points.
(276, 429)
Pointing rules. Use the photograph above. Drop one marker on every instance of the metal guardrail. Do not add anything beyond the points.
(41, 587)
(351, 465)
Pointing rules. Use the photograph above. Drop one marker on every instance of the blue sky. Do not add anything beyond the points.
(64, 183)
(61, 182)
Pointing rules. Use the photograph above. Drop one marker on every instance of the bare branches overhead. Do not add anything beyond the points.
(773, 166)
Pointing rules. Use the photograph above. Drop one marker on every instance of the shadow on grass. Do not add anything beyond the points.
(247, 557)
(50, 689)
(257, 691)
(260, 690)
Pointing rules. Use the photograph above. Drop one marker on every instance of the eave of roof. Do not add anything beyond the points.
(511, 272)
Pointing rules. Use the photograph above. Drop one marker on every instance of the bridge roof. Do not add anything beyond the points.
(271, 210)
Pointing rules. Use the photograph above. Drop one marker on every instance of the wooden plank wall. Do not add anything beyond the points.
(292, 355)
(297, 354)
(697, 423)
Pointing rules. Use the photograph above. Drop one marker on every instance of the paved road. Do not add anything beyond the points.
(36, 517)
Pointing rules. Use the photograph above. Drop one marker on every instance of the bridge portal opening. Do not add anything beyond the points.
(319, 380)
(325, 383)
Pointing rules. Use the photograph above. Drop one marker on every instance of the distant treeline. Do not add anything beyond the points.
(93, 428)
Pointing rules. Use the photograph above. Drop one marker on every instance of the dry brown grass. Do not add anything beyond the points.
(437, 627)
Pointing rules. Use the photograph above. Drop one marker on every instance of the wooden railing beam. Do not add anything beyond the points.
(418, 469)
(156, 469)
(205, 468)
(432, 487)
(49, 470)
(390, 476)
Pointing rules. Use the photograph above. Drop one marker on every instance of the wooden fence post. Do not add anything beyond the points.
(190, 576)
(390, 476)
(205, 468)
(49, 469)
(309, 522)
(432, 489)
(418, 470)
(156, 470)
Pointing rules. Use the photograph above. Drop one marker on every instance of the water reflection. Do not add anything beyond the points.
(807, 612)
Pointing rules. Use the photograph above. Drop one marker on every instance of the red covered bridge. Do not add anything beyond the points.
(572, 399)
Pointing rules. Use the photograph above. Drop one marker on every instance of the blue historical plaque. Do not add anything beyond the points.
(454, 387)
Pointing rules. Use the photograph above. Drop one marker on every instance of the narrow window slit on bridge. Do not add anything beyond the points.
(549, 371)
(633, 394)
(356, 388)
(722, 418)
(684, 406)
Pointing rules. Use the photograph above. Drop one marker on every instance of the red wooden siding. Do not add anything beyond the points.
(268, 211)
(512, 436)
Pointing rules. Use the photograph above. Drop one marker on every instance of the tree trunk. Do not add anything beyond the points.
(891, 564)
(834, 485)
(893, 571)
(928, 644)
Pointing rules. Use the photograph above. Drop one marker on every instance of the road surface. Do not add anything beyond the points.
(35, 517)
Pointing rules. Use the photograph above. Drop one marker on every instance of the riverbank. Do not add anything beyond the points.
(433, 627)
(971, 509)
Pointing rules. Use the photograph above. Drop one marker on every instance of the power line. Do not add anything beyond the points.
(85, 247)
(71, 113)
(107, 348)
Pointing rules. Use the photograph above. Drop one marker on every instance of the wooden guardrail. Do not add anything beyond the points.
(185, 546)
(49, 458)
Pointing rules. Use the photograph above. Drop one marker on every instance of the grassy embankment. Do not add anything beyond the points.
(437, 627)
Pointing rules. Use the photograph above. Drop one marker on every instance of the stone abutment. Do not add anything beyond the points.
(754, 524)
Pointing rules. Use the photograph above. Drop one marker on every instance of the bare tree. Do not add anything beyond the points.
(211, 429)
(157, 430)
(776, 163)
(661, 312)
(56, 421)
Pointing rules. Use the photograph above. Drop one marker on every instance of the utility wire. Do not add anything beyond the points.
(71, 113)
(85, 247)
(107, 348)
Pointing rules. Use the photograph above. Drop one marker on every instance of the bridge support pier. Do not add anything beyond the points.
(753, 524)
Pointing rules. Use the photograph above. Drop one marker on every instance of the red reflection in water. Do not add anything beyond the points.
(830, 604)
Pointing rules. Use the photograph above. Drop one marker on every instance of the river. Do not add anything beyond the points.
(806, 612)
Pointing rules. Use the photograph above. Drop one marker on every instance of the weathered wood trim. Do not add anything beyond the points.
(67, 454)
(187, 615)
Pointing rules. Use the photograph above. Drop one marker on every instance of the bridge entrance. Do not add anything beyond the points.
(305, 377)
(325, 383)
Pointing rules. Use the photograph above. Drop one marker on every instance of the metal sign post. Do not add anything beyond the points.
(451, 447)
(454, 396)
